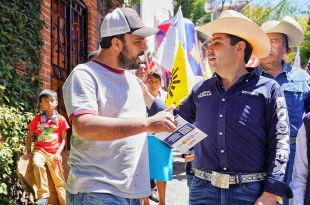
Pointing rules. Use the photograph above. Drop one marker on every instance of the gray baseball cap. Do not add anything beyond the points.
(124, 20)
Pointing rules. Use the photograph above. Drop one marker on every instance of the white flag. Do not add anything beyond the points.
(297, 59)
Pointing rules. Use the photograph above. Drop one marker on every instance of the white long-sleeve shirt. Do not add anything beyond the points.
(300, 170)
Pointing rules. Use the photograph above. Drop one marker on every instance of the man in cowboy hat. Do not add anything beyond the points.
(294, 81)
(243, 159)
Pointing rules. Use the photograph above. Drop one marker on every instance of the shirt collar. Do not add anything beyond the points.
(285, 68)
(244, 78)
(109, 67)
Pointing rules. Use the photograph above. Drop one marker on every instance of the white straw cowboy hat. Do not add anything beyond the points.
(234, 23)
(288, 26)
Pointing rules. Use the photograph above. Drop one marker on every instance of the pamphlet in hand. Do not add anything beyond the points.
(184, 137)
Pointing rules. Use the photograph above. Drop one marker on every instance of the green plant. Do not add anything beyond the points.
(6, 160)
(20, 46)
(13, 125)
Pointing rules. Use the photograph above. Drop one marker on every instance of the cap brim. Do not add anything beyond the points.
(145, 31)
(242, 28)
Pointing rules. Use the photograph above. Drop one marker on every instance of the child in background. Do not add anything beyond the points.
(160, 155)
(50, 129)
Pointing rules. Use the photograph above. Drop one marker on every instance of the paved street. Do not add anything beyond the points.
(177, 191)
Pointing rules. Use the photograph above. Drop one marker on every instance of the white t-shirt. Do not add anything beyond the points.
(119, 167)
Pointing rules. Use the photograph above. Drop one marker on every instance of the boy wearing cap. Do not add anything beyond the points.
(294, 82)
(108, 157)
(243, 159)
(50, 130)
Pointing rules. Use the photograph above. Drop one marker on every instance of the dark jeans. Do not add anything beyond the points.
(98, 199)
(189, 180)
(202, 192)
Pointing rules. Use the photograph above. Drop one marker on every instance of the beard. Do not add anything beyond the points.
(127, 62)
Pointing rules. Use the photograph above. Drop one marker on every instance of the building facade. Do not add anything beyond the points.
(71, 31)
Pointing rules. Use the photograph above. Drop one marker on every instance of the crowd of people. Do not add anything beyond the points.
(252, 117)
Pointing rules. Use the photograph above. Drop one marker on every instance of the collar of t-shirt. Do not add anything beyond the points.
(109, 67)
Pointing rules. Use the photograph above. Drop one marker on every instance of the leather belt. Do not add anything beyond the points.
(223, 181)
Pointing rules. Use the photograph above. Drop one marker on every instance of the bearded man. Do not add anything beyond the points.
(109, 156)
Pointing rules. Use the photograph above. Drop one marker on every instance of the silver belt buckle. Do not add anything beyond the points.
(220, 180)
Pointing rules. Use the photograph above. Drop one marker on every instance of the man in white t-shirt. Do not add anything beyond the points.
(109, 155)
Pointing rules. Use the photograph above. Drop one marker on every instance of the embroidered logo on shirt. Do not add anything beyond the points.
(205, 93)
(245, 115)
(280, 102)
(250, 93)
(282, 114)
(282, 129)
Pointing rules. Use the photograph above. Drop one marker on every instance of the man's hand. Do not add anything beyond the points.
(148, 97)
(162, 121)
(266, 199)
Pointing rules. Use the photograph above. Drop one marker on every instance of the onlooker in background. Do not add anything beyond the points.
(93, 54)
(301, 173)
(141, 72)
(154, 83)
(294, 81)
(108, 157)
(50, 129)
(154, 193)
(160, 154)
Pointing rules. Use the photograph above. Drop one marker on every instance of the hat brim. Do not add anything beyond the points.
(295, 36)
(145, 31)
(242, 28)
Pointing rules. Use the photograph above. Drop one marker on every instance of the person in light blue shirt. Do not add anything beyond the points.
(294, 81)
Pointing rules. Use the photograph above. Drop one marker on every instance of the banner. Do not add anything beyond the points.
(178, 53)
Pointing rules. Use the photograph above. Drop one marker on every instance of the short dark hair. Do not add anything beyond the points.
(248, 48)
(47, 93)
(285, 42)
(155, 75)
(106, 41)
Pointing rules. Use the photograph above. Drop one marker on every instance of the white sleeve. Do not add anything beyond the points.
(300, 169)
(79, 92)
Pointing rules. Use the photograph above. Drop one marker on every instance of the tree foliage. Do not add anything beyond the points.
(20, 46)
(199, 16)
(194, 9)
(187, 8)
(305, 46)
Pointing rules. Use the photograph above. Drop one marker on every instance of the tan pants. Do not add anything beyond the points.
(39, 160)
